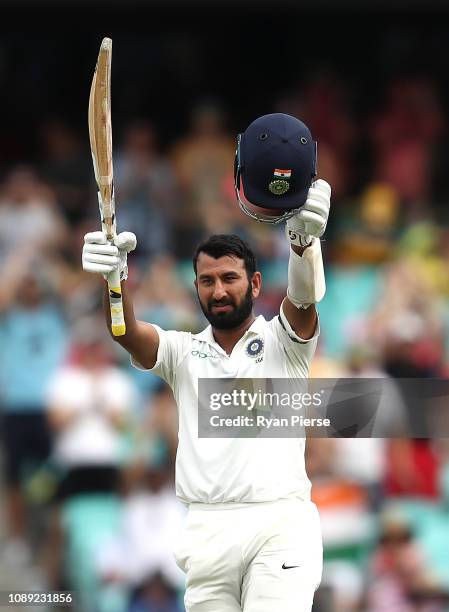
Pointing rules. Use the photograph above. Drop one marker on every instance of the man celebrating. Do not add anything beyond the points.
(252, 539)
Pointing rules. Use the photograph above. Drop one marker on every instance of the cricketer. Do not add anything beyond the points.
(252, 538)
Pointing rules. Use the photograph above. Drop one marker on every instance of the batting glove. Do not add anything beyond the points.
(101, 257)
(311, 220)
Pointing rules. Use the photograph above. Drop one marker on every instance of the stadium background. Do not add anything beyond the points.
(371, 83)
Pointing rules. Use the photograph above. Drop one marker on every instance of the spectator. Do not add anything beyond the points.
(412, 111)
(346, 520)
(146, 188)
(33, 343)
(202, 161)
(162, 296)
(404, 133)
(67, 167)
(398, 576)
(155, 595)
(151, 521)
(29, 218)
(89, 401)
(367, 229)
(324, 104)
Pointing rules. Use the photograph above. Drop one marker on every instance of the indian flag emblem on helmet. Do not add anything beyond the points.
(284, 174)
(280, 184)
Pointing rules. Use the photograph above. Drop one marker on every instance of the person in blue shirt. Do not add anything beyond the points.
(32, 345)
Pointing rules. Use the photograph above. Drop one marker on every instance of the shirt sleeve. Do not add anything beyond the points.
(299, 351)
(173, 346)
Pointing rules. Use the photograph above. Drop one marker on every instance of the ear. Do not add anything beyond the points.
(256, 283)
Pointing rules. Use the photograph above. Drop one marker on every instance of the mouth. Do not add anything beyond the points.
(221, 307)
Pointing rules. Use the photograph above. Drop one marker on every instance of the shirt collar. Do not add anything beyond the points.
(256, 328)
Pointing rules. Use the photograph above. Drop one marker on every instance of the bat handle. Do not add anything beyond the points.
(115, 301)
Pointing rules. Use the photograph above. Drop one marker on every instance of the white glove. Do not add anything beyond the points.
(103, 258)
(310, 222)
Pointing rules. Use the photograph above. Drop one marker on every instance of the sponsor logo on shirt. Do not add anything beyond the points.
(203, 355)
(284, 566)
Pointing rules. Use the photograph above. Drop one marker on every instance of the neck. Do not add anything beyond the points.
(228, 338)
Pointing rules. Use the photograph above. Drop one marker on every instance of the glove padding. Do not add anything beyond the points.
(101, 257)
(310, 222)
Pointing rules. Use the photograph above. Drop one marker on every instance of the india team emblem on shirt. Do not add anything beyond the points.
(254, 348)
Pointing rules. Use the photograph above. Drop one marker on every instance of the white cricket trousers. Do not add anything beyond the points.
(258, 557)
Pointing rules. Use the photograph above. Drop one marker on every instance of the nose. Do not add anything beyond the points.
(219, 291)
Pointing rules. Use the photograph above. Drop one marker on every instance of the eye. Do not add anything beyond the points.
(263, 136)
(303, 140)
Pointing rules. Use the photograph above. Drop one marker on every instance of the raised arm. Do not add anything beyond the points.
(141, 339)
(306, 284)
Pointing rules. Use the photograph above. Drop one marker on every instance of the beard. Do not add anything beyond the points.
(232, 318)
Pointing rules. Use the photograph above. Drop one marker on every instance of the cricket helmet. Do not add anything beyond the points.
(275, 164)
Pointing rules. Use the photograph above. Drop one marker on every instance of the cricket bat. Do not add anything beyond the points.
(100, 135)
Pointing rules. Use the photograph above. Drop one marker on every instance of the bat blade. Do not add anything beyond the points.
(100, 136)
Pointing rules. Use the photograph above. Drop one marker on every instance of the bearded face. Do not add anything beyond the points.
(227, 313)
(225, 293)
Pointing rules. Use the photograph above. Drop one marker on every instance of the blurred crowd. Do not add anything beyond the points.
(88, 443)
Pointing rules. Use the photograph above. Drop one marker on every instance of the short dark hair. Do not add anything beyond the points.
(220, 245)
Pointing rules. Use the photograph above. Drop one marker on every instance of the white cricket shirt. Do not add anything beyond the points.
(234, 469)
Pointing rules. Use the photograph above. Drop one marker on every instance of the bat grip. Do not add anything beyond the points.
(115, 301)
